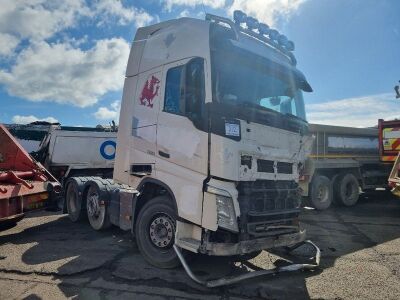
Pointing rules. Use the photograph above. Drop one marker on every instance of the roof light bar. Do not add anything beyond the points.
(251, 23)
(263, 28)
(273, 34)
(290, 46)
(239, 17)
(282, 40)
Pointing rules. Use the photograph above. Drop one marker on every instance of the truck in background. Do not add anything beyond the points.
(24, 183)
(78, 151)
(212, 133)
(343, 161)
(389, 149)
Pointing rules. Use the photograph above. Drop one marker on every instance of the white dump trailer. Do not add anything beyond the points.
(75, 151)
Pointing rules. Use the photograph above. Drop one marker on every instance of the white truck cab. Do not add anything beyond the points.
(212, 135)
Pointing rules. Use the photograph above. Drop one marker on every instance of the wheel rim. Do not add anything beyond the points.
(93, 204)
(162, 230)
(323, 194)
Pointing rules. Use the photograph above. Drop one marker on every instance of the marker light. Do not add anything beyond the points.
(263, 28)
(282, 40)
(290, 46)
(239, 16)
(251, 23)
(273, 34)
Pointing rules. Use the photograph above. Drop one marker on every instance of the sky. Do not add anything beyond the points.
(65, 60)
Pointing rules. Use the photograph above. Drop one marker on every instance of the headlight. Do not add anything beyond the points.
(226, 216)
(226, 213)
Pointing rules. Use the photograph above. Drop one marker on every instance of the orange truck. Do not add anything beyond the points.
(24, 183)
(389, 149)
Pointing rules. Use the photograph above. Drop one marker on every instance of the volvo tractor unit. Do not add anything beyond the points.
(211, 138)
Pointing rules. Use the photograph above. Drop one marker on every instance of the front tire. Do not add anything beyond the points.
(155, 233)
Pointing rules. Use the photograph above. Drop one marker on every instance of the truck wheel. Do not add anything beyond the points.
(75, 207)
(155, 233)
(347, 190)
(96, 209)
(321, 192)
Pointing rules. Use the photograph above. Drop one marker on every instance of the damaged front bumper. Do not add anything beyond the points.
(249, 246)
(235, 279)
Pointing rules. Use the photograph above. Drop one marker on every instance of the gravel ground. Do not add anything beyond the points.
(47, 257)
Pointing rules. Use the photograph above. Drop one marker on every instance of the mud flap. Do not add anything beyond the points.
(231, 280)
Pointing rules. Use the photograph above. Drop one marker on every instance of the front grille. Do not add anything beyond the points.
(268, 207)
(267, 166)
(284, 168)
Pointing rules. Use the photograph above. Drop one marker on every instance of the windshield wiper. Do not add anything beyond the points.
(295, 117)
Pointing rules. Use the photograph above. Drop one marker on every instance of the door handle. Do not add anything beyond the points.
(163, 154)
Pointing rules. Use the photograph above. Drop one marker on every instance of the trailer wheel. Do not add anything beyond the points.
(75, 207)
(347, 190)
(321, 192)
(96, 209)
(155, 233)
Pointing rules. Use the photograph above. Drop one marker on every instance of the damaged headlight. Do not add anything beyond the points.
(225, 210)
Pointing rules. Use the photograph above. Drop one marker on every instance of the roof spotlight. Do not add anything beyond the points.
(263, 28)
(239, 16)
(290, 46)
(251, 23)
(282, 40)
(273, 34)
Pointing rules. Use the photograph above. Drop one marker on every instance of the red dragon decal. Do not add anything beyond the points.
(149, 91)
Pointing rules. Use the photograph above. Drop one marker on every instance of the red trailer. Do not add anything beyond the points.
(24, 183)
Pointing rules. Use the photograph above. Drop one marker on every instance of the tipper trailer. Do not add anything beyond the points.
(24, 183)
(78, 151)
(343, 161)
(212, 133)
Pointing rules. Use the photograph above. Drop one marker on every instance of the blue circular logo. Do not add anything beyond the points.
(109, 154)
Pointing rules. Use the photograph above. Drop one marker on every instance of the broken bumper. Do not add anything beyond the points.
(235, 279)
(249, 246)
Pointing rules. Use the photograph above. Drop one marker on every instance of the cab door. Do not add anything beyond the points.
(182, 139)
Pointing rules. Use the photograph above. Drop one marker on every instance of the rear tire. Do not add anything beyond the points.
(75, 206)
(155, 233)
(347, 190)
(97, 211)
(321, 192)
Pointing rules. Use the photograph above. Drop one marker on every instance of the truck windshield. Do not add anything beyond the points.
(243, 81)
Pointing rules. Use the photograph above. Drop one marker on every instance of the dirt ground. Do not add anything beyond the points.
(48, 257)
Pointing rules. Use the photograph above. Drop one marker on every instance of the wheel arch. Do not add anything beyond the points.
(148, 189)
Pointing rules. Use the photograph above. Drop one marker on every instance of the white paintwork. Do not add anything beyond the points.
(80, 149)
(145, 131)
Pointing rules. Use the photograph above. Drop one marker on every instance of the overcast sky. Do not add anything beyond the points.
(65, 60)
